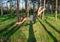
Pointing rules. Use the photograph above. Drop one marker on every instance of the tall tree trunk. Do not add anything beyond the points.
(53, 7)
(11, 6)
(44, 11)
(7, 7)
(18, 16)
(40, 2)
(56, 9)
(49, 7)
(1, 9)
(41, 6)
(26, 6)
(33, 7)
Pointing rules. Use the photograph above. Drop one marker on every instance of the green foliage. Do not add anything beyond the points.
(42, 31)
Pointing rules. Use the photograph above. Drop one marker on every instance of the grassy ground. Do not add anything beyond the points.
(42, 31)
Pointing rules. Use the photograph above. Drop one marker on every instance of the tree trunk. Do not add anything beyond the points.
(56, 9)
(1, 9)
(40, 2)
(26, 6)
(33, 7)
(44, 11)
(18, 16)
(10, 6)
(41, 6)
(7, 8)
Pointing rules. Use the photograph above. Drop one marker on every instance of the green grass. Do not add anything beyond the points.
(42, 31)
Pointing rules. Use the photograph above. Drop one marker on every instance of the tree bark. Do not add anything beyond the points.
(1, 9)
(26, 6)
(56, 9)
(44, 11)
(7, 7)
(34, 7)
(40, 2)
(41, 6)
(18, 16)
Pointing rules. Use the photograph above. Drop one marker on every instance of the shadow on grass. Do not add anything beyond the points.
(7, 27)
(31, 37)
(10, 17)
(52, 26)
(6, 37)
(54, 38)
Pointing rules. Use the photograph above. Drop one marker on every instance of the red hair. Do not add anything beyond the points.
(22, 18)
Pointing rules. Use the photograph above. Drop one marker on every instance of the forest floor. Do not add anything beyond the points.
(47, 30)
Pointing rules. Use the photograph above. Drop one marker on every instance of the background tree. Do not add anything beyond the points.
(56, 9)
(26, 6)
(18, 16)
(1, 8)
(11, 4)
(44, 11)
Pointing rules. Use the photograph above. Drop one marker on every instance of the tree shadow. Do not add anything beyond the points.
(10, 17)
(52, 26)
(31, 37)
(6, 37)
(7, 27)
(53, 37)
